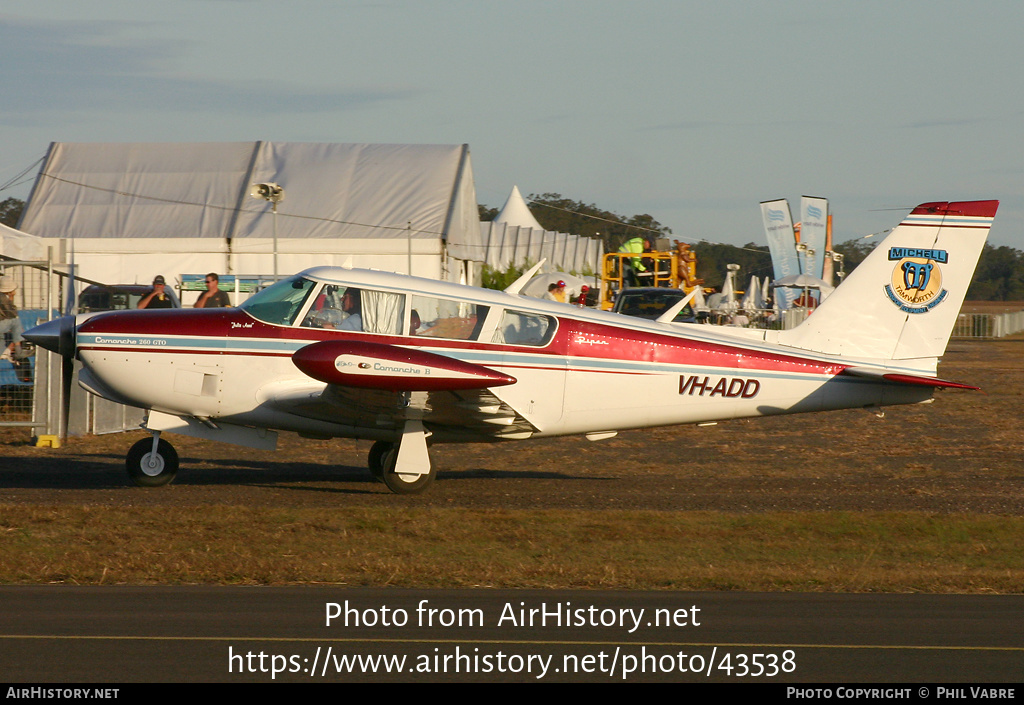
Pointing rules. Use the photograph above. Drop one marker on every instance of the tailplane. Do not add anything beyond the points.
(902, 301)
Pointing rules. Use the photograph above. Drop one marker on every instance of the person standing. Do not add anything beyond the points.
(157, 296)
(9, 321)
(213, 297)
(556, 291)
(635, 267)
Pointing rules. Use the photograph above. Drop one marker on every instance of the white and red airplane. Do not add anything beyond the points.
(405, 361)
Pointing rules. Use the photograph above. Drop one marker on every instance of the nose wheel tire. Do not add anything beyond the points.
(375, 460)
(405, 484)
(147, 469)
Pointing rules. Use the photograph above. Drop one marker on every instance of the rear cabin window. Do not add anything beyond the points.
(431, 317)
(521, 328)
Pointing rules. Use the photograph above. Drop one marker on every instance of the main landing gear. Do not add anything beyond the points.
(152, 462)
(404, 467)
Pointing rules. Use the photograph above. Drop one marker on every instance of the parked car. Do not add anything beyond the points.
(117, 297)
(651, 302)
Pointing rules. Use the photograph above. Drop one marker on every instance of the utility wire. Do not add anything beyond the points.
(404, 228)
(11, 183)
(236, 209)
(637, 227)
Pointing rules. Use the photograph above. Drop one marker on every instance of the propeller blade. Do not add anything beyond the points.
(67, 373)
(58, 336)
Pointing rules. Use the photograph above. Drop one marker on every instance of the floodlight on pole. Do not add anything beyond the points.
(801, 248)
(838, 258)
(272, 192)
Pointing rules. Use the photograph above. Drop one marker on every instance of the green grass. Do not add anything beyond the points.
(793, 551)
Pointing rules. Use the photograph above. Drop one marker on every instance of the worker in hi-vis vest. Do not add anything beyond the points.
(634, 266)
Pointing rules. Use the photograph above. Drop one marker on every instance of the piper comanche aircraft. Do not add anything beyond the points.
(405, 361)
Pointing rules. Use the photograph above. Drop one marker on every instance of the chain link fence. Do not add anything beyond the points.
(32, 290)
(988, 325)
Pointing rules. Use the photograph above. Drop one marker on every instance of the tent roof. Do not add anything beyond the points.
(20, 246)
(202, 190)
(516, 212)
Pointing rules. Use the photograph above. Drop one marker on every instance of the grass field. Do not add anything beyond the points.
(608, 549)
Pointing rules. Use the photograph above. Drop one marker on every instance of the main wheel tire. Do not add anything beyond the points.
(375, 460)
(147, 470)
(405, 484)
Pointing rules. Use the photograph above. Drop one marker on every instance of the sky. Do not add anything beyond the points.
(692, 112)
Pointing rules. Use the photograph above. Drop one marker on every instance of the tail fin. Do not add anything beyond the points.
(902, 301)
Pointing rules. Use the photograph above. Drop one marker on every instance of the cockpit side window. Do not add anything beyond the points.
(340, 307)
(521, 328)
(280, 303)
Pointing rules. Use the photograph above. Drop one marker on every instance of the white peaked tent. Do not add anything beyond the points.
(728, 303)
(752, 299)
(698, 302)
(131, 211)
(515, 237)
(516, 213)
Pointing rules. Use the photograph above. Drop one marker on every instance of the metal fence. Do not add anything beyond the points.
(988, 325)
(30, 378)
(35, 296)
(967, 326)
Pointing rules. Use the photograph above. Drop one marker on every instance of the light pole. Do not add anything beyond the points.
(275, 194)
(838, 258)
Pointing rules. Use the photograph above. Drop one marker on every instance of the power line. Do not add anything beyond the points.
(11, 183)
(236, 209)
(637, 227)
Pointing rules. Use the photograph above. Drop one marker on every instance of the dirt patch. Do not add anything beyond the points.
(961, 454)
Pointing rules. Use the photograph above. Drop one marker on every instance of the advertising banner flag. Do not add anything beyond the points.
(813, 226)
(778, 226)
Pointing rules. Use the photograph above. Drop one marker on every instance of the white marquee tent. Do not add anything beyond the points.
(131, 211)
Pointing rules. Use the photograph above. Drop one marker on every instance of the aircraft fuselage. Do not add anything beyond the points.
(593, 375)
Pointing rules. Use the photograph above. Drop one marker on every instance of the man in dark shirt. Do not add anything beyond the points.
(213, 297)
(157, 297)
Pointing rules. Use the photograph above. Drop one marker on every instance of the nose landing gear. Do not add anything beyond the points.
(152, 462)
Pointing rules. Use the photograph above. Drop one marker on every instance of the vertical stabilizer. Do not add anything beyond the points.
(902, 301)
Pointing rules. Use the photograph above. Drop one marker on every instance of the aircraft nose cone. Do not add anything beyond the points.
(57, 335)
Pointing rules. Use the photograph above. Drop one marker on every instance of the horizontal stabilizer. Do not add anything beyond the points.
(389, 367)
(917, 380)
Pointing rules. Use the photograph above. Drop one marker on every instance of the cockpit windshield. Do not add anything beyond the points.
(280, 303)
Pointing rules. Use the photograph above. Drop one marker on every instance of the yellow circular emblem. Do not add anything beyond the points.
(916, 281)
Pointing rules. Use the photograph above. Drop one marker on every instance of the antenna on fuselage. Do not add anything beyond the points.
(515, 287)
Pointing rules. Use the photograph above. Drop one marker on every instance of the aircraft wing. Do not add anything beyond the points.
(378, 387)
